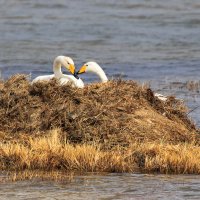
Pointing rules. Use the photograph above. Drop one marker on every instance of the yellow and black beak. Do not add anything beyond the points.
(82, 70)
(72, 68)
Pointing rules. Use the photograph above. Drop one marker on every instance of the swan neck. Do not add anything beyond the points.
(96, 69)
(102, 75)
(57, 68)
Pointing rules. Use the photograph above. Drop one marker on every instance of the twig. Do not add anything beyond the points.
(193, 110)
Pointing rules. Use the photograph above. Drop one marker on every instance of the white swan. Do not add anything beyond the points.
(68, 63)
(161, 96)
(94, 68)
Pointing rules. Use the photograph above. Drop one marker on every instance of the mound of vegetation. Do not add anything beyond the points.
(118, 112)
(122, 118)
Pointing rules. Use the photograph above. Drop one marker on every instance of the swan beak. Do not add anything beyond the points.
(72, 68)
(82, 70)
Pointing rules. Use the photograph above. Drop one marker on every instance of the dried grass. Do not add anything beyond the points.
(52, 153)
(114, 127)
(111, 113)
(193, 86)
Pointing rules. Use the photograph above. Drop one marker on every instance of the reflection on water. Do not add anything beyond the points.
(112, 186)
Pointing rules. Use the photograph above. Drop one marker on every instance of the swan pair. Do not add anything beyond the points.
(74, 80)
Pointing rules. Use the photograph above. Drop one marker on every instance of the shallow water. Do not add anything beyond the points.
(111, 186)
(149, 41)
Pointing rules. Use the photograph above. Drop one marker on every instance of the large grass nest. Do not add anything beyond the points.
(116, 113)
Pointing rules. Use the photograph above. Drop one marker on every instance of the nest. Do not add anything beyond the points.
(117, 112)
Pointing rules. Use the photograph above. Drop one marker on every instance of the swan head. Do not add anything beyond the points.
(69, 64)
(94, 68)
(66, 62)
(89, 67)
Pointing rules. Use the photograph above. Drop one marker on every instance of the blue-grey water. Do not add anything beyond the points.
(151, 41)
(111, 186)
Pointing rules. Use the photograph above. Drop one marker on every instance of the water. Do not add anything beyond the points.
(111, 186)
(151, 41)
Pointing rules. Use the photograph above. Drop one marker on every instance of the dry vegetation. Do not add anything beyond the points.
(114, 127)
(193, 86)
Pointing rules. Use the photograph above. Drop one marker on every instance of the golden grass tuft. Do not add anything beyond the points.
(167, 158)
(51, 153)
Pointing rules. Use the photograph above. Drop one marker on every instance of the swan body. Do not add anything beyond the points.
(93, 67)
(76, 82)
(68, 63)
(43, 78)
(160, 96)
(164, 98)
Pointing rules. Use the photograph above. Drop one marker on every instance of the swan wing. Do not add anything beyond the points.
(161, 97)
(66, 79)
(43, 78)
